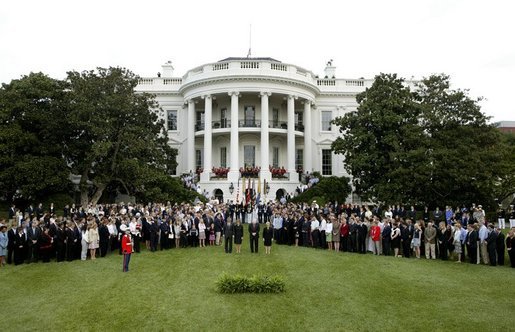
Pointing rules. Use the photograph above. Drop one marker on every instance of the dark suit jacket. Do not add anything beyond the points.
(33, 235)
(492, 240)
(11, 234)
(254, 228)
(229, 230)
(472, 239)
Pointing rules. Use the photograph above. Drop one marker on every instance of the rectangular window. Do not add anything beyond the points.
(299, 159)
(223, 157)
(198, 158)
(250, 116)
(299, 126)
(275, 157)
(200, 121)
(172, 120)
(327, 162)
(326, 120)
(223, 118)
(275, 118)
(249, 155)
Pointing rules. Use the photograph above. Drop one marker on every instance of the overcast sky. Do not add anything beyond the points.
(472, 41)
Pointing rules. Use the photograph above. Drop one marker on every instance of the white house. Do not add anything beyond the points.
(253, 112)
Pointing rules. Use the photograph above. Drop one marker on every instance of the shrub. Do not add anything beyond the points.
(255, 284)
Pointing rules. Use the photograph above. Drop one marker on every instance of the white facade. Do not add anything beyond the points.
(253, 112)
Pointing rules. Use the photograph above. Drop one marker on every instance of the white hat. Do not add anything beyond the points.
(124, 228)
(138, 214)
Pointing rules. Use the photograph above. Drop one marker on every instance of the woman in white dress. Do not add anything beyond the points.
(329, 235)
(84, 242)
(93, 239)
(202, 233)
(457, 241)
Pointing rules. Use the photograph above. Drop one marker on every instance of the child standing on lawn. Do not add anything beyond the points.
(212, 235)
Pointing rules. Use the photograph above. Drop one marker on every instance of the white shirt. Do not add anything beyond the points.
(112, 229)
(329, 228)
(323, 225)
(314, 224)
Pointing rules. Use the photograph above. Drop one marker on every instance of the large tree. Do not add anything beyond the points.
(426, 144)
(115, 135)
(32, 114)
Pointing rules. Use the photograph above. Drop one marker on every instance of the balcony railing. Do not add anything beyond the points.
(199, 126)
(224, 123)
(277, 124)
(248, 123)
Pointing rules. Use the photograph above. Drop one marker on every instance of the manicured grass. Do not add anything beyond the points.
(175, 290)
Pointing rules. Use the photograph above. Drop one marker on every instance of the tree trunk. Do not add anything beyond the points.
(84, 190)
(98, 193)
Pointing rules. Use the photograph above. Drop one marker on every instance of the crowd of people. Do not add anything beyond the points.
(461, 234)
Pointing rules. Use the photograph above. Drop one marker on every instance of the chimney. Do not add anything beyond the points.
(330, 70)
(168, 69)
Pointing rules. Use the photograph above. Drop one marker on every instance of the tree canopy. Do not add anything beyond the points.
(115, 134)
(32, 112)
(91, 124)
(422, 144)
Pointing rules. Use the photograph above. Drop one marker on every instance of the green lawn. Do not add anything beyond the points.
(175, 291)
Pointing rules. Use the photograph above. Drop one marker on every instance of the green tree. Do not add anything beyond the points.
(332, 188)
(114, 134)
(32, 111)
(505, 184)
(465, 152)
(423, 145)
(381, 140)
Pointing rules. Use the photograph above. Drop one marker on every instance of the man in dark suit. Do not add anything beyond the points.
(387, 238)
(472, 238)
(33, 235)
(362, 236)
(254, 236)
(103, 237)
(491, 245)
(20, 245)
(11, 235)
(228, 235)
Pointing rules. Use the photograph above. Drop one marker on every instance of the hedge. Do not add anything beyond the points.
(228, 284)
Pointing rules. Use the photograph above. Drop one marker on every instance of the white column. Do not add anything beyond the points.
(265, 139)
(191, 136)
(234, 171)
(308, 165)
(291, 138)
(208, 143)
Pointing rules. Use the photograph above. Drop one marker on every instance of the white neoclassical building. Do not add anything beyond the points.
(259, 113)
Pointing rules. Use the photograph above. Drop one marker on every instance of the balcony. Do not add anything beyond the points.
(221, 124)
(277, 124)
(242, 123)
(249, 123)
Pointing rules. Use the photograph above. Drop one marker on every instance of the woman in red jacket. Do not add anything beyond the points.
(375, 235)
(344, 232)
(126, 247)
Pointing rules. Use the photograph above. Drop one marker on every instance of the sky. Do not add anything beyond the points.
(472, 41)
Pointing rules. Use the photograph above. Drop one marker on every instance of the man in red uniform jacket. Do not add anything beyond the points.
(126, 247)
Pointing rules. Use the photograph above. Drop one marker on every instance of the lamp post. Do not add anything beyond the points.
(231, 188)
